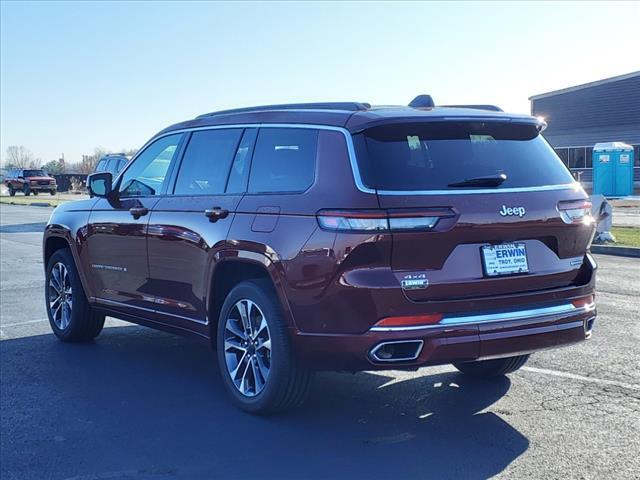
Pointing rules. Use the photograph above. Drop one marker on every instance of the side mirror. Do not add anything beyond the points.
(99, 184)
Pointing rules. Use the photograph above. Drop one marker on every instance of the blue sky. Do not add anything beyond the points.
(78, 75)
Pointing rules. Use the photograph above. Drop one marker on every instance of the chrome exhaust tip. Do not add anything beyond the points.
(398, 351)
(588, 326)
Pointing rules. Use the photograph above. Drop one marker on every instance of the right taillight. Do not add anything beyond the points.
(575, 211)
(584, 302)
(364, 221)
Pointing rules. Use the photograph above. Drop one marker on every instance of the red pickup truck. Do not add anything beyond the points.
(29, 181)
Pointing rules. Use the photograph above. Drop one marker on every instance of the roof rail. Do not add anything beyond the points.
(348, 106)
(492, 108)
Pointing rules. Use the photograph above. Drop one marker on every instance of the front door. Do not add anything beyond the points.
(189, 226)
(117, 229)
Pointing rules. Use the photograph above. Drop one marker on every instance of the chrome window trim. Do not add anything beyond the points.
(541, 188)
(456, 321)
(354, 164)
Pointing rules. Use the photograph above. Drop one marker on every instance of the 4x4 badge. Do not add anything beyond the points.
(415, 281)
(512, 211)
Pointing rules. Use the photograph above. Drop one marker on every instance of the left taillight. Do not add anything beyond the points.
(353, 221)
(575, 211)
(364, 221)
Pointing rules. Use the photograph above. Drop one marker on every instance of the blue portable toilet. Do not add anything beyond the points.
(613, 169)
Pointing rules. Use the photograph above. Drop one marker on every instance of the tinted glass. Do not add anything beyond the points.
(34, 173)
(146, 175)
(240, 169)
(284, 160)
(589, 157)
(205, 166)
(110, 167)
(102, 166)
(435, 155)
(576, 157)
(120, 166)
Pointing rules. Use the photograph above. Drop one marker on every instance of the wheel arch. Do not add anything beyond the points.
(57, 237)
(229, 272)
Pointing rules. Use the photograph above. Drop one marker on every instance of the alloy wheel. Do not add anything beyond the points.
(247, 347)
(60, 296)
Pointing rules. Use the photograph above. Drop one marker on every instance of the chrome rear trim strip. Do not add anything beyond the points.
(493, 317)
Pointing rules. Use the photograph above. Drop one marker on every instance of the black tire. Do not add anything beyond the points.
(12, 192)
(35, 193)
(26, 190)
(287, 383)
(52, 192)
(83, 324)
(492, 368)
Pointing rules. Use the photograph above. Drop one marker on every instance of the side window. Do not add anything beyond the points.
(111, 166)
(147, 174)
(284, 160)
(101, 166)
(240, 169)
(120, 166)
(205, 165)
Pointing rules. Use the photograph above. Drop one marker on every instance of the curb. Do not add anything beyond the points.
(633, 252)
(32, 204)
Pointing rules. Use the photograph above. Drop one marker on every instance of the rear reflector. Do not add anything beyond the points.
(381, 220)
(575, 211)
(583, 302)
(410, 321)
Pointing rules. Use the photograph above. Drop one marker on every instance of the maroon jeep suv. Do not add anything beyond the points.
(334, 236)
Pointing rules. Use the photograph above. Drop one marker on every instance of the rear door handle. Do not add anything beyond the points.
(216, 213)
(137, 212)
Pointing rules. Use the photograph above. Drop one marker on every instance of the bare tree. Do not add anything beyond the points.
(129, 152)
(18, 156)
(88, 163)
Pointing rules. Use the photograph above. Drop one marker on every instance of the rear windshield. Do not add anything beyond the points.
(439, 155)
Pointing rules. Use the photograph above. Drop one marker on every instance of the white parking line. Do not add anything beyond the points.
(28, 322)
(582, 378)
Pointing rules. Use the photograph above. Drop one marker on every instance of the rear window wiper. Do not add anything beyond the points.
(490, 181)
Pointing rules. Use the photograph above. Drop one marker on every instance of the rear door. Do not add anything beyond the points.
(189, 226)
(491, 193)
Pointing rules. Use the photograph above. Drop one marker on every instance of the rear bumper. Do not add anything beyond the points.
(462, 339)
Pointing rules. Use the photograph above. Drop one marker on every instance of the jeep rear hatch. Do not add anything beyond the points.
(500, 196)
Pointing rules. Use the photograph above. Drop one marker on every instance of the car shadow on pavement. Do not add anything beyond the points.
(137, 403)
(37, 227)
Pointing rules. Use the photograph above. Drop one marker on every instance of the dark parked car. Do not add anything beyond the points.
(29, 181)
(337, 236)
(112, 162)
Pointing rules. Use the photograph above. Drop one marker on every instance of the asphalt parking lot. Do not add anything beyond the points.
(141, 404)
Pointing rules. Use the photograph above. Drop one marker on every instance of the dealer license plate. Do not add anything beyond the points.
(505, 259)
